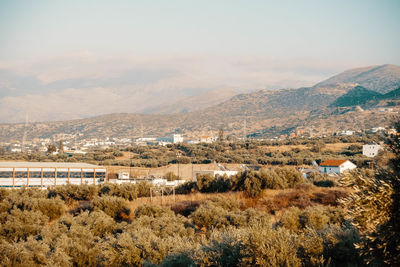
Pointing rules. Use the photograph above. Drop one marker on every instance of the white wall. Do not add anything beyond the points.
(329, 169)
(177, 138)
(371, 150)
(347, 166)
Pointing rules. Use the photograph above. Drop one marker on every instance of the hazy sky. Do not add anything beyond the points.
(68, 50)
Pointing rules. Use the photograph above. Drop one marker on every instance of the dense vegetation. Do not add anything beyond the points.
(95, 226)
(251, 182)
(375, 209)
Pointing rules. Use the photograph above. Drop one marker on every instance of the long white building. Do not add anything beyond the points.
(46, 174)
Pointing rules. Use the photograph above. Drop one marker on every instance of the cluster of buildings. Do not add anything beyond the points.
(15, 174)
(47, 174)
(339, 166)
(314, 132)
(71, 145)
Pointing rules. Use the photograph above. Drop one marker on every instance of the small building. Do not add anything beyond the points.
(177, 138)
(306, 173)
(207, 139)
(123, 176)
(347, 132)
(377, 129)
(371, 150)
(165, 182)
(336, 166)
(46, 174)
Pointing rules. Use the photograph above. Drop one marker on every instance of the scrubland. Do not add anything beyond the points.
(120, 225)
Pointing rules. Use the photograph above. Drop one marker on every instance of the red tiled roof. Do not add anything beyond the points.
(333, 162)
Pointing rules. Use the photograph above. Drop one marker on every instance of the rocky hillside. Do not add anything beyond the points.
(382, 79)
(268, 112)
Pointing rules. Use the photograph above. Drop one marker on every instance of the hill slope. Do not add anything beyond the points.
(382, 79)
(272, 112)
(356, 96)
(196, 102)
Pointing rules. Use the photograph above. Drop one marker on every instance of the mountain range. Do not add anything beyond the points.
(324, 108)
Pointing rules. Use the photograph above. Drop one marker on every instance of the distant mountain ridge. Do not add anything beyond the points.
(265, 111)
(382, 79)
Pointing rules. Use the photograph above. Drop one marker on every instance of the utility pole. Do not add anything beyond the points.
(244, 130)
(24, 136)
(371, 165)
(177, 159)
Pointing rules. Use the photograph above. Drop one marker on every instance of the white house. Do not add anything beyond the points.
(377, 129)
(177, 138)
(347, 132)
(336, 166)
(371, 150)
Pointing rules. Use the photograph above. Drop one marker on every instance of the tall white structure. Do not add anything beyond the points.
(336, 166)
(177, 138)
(371, 150)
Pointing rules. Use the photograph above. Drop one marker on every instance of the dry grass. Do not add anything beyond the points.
(338, 147)
(170, 200)
(273, 202)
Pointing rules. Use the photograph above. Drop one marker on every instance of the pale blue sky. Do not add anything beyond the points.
(86, 54)
(360, 31)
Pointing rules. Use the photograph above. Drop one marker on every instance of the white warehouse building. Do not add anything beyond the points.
(47, 174)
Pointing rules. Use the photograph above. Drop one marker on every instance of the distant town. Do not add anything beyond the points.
(78, 144)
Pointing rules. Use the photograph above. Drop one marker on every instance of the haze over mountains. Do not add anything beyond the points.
(85, 85)
(263, 112)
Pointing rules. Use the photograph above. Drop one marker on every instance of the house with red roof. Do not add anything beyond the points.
(336, 166)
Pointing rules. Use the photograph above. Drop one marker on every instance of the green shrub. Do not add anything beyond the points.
(115, 207)
(127, 191)
(290, 219)
(19, 225)
(71, 192)
(152, 211)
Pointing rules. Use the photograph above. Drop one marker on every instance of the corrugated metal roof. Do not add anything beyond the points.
(25, 164)
(333, 162)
